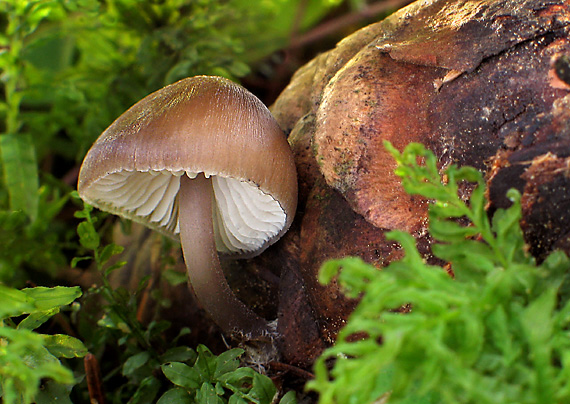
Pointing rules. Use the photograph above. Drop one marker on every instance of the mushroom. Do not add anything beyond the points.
(203, 161)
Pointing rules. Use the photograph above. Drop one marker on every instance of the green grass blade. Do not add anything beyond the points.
(20, 172)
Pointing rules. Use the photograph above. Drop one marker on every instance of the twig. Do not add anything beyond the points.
(143, 309)
(323, 30)
(284, 367)
(93, 376)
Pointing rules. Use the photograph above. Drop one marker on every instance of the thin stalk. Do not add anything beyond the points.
(204, 271)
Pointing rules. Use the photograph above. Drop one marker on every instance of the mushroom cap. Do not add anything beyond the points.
(197, 125)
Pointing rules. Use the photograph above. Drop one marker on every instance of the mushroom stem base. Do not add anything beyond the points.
(204, 270)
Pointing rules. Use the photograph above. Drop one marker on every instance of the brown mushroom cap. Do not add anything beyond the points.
(197, 125)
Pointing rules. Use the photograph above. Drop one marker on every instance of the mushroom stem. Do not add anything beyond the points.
(202, 262)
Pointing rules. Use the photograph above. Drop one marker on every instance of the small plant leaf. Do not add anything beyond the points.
(236, 379)
(227, 361)
(52, 392)
(135, 362)
(14, 302)
(205, 363)
(88, 236)
(146, 392)
(237, 399)
(49, 298)
(76, 260)
(64, 346)
(182, 375)
(179, 354)
(289, 398)
(35, 319)
(175, 277)
(263, 388)
(447, 230)
(175, 396)
(207, 395)
(109, 251)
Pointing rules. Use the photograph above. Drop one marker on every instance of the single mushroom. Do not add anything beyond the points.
(204, 161)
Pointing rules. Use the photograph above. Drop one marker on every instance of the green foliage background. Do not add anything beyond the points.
(68, 68)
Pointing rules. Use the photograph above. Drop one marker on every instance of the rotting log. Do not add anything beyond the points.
(482, 83)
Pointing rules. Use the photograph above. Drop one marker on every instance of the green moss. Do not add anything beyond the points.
(496, 333)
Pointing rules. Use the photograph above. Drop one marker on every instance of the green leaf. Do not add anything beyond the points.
(205, 363)
(412, 257)
(441, 210)
(469, 258)
(175, 396)
(477, 203)
(207, 395)
(20, 172)
(25, 362)
(182, 375)
(538, 323)
(76, 260)
(146, 392)
(236, 379)
(87, 209)
(447, 230)
(227, 361)
(328, 271)
(465, 173)
(289, 398)
(219, 389)
(113, 267)
(135, 362)
(237, 399)
(34, 320)
(49, 298)
(52, 392)
(263, 389)
(175, 277)
(109, 251)
(498, 325)
(179, 354)
(556, 267)
(88, 236)
(14, 302)
(64, 346)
